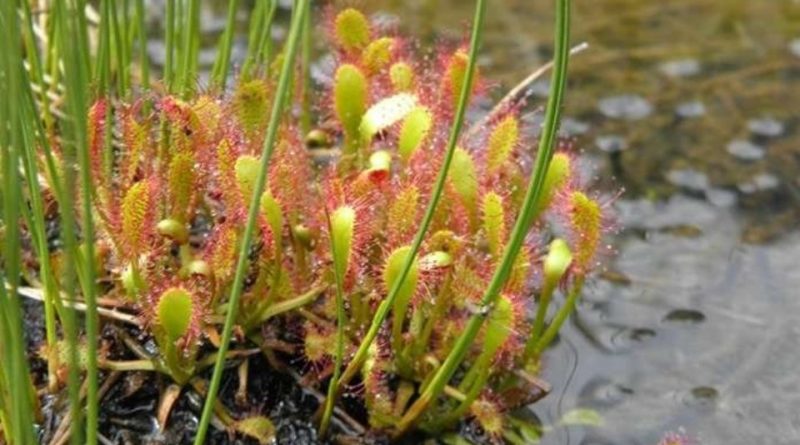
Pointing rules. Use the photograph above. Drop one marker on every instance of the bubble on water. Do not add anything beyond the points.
(385, 22)
(794, 47)
(688, 178)
(760, 183)
(766, 127)
(540, 88)
(746, 150)
(611, 143)
(720, 197)
(680, 67)
(574, 127)
(688, 316)
(601, 392)
(694, 108)
(766, 181)
(625, 106)
(704, 395)
(322, 70)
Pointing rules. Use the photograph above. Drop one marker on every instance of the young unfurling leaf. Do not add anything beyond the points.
(402, 76)
(352, 30)
(136, 222)
(181, 181)
(377, 55)
(350, 102)
(174, 312)
(416, 126)
(494, 222)
(343, 221)
(391, 272)
(464, 179)
(502, 141)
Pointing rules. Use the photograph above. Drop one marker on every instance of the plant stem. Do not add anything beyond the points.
(301, 8)
(559, 319)
(538, 323)
(305, 114)
(144, 60)
(191, 41)
(291, 304)
(169, 43)
(16, 390)
(436, 194)
(129, 365)
(339, 271)
(220, 70)
(532, 196)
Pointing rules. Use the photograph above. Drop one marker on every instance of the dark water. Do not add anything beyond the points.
(692, 107)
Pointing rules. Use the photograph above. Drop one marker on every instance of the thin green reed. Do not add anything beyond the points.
(121, 47)
(144, 60)
(63, 26)
(102, 72)
(219, 72)
(74, 50)
(191, 44)
(339, 270)
(305, 63)
(298, 16)
(259, 48)
(458, 120)
(18, 395)
(169, 45)
(521, 226)
(38, 227)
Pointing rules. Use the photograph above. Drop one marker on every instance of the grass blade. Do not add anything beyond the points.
(300, 10)
(436, 194)
(221, 68)
(543, 156)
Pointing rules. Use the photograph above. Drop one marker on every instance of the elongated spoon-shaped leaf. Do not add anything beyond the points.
(416, 126)
(391, 272)
(174, 312)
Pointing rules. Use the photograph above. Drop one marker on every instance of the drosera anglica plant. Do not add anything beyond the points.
(410, 265)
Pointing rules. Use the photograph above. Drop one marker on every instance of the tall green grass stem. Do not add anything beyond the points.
(559, 319)
(300, 10)
(436, 194)
(221, 64)
(532, 196)
(339, 272)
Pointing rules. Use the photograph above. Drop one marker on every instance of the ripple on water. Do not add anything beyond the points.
(720, 197)
(687, 316)
(602, 392)
(680, 67)
(760, 183)
(703, 396)
(689, 179)
(745, 150)
(690, 109)
(574, 127)
(766, 127)
(611, 143)
(625, 339)
(794, 47)
(625, 106)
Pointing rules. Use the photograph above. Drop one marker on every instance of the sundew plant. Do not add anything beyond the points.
(421, 263)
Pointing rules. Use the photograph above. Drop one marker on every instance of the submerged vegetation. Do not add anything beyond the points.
(416, 266)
